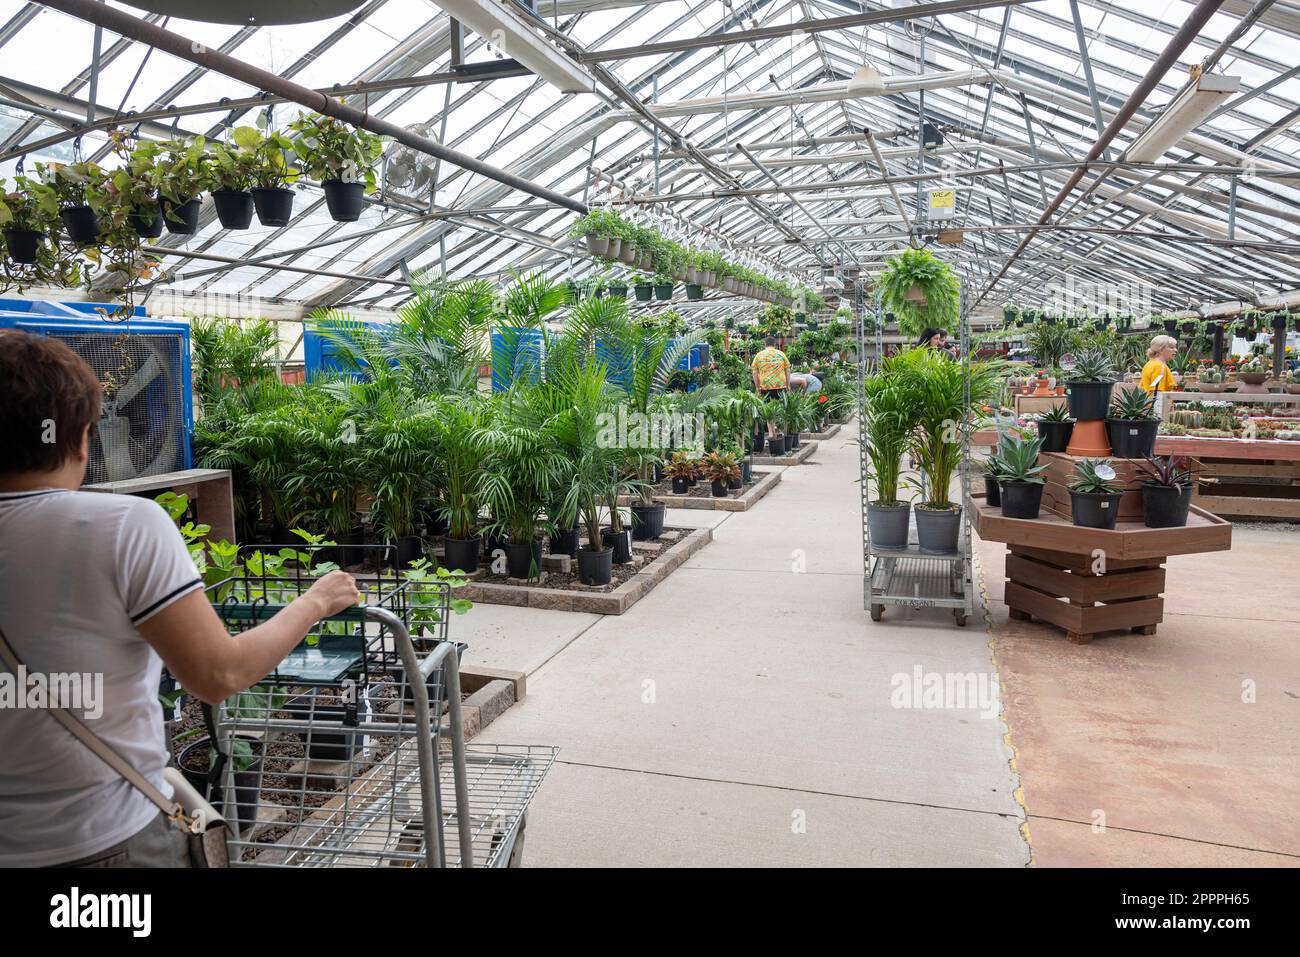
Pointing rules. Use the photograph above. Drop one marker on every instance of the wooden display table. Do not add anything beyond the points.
(1091, 580)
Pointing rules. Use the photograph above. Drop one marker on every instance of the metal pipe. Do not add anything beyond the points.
(137, 29)
(1168, 57)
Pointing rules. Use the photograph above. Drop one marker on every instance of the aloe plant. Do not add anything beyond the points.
(1016, 459)
(1057, 413)
(1132, 405)
(1093, 365)
(1095, 476)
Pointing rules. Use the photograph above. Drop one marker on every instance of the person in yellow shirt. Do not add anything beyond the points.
(1156, 376)
(771, 371)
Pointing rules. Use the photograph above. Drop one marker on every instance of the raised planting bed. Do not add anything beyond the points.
(560, 590)
(701, 495)
(799, 455)
(831, 431)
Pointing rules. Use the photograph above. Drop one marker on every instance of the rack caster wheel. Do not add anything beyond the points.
(960, 615)
(877, 612)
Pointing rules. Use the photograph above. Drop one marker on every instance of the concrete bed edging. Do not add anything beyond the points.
(801, 455)
(740, 503)
(830, 433)
(600, 603)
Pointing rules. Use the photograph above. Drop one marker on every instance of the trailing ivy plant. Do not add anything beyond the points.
(330, 149)
(919, 268)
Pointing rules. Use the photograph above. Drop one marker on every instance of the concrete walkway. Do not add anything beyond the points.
(742, 713)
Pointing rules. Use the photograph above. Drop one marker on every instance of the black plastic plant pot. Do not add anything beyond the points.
(937, 530)
(1165, 506)
(888, 524)
(1170, 325)
(992, 491)
(737, 483)
(694, 291)
(719, 489)
(760, 439)
(147, 225)
(1055, 435)
(524, 560)
(407, 549)
(776, 444)
(344, 200)
(620, 542)
(80, 223)
(1132, 438)
(347, 550)
(333, 745)
(1021, 499)
(1094, 509)
(193, 762)
(681, 485)
(746, 472)
(595, 568)
(23, 245)
(656, 473)
(663, 290)
(274, 205)
(1089, 400)
(435, 523)
(461, 554)
(564, 541)
(182, 219)
(792, 441)
(618, 290)
(648, 520)
(643, 291)
(234, 208)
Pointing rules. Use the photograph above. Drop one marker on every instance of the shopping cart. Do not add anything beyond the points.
(338, 758)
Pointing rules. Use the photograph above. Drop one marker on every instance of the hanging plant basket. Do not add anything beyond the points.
(618, 290)
(81, 224)
(644, 291)
(694, 291)
(147, 224)
(344, 200)
(274, 205)
(234, 208)
(663, 290)
(24, 244)
(182, 218)
(598, 245)
(916, 294)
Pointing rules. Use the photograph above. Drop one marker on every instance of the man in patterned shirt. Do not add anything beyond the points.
(771, 374)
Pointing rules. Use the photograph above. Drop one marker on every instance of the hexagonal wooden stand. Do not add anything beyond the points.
(1090, 580)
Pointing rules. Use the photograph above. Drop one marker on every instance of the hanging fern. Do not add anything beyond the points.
(917, 267)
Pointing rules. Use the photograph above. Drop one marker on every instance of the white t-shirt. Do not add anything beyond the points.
(78, 572)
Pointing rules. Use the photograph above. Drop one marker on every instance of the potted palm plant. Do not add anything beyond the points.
(1015, 463)
(1132, 424)
(341, 158)
(1094, 494)
(462, 442)
(889, 415)
(1166, 492)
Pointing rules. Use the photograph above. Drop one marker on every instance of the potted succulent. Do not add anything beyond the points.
(80, 189)
(1254, 372)
(1054, 427)
(1094, 494)
(1211, 380)
(341, 158)
(1132, 424)
(720, 468)
(992, 491)
(1166, 492)
(29, 214)
(232, 170)
(1293, 382)
(1090, 384)
(1015, 463)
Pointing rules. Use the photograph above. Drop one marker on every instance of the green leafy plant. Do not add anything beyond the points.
(1092, 365)
(720, 467)
(1132, 405)
(1085, 477)
(1057, 413)
(332, 150)
(920, 290)
(1016, 459)
(889, 415)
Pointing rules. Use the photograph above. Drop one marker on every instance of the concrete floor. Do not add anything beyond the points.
(741, 713)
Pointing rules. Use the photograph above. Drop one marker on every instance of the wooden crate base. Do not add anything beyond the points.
(1063, 589)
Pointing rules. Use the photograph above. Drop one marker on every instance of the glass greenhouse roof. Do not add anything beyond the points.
(1015, 101)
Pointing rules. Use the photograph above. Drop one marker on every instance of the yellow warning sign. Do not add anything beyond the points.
(941, 199)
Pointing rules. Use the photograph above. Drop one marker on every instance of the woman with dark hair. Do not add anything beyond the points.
(930, 339)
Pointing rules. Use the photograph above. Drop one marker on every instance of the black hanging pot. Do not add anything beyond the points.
(643, 291)
(595, 568)
(681, 485)
(1089, 400)
(694, 291)
(524, 559)
(274, 205)
(618, 290)
(147, 225)
(992, 492)
(620, 541)
(24, 244)
(1021, 499)
(344, 200)
(234, 208)
(1165, 506)
(1094, 509)
(182, 218)
(1170, 325)
(648, 521)
(1055, 435)
(461, 554)
(81, 223)
(1132, 438)
(663, 290)
(564, 541)
(719, 489)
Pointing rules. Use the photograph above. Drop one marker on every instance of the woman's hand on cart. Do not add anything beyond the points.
(333, 593)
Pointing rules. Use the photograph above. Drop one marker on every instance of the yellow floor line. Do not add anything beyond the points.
(1013, 761)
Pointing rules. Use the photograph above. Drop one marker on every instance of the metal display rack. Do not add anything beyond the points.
(338, 759)
(909, 577)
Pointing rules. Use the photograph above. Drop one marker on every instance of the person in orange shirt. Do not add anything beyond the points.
(1156, 376)
(771, 371)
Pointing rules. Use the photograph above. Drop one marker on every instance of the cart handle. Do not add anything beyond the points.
(442, 655)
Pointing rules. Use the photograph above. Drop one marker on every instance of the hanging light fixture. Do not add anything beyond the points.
(247, 12)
